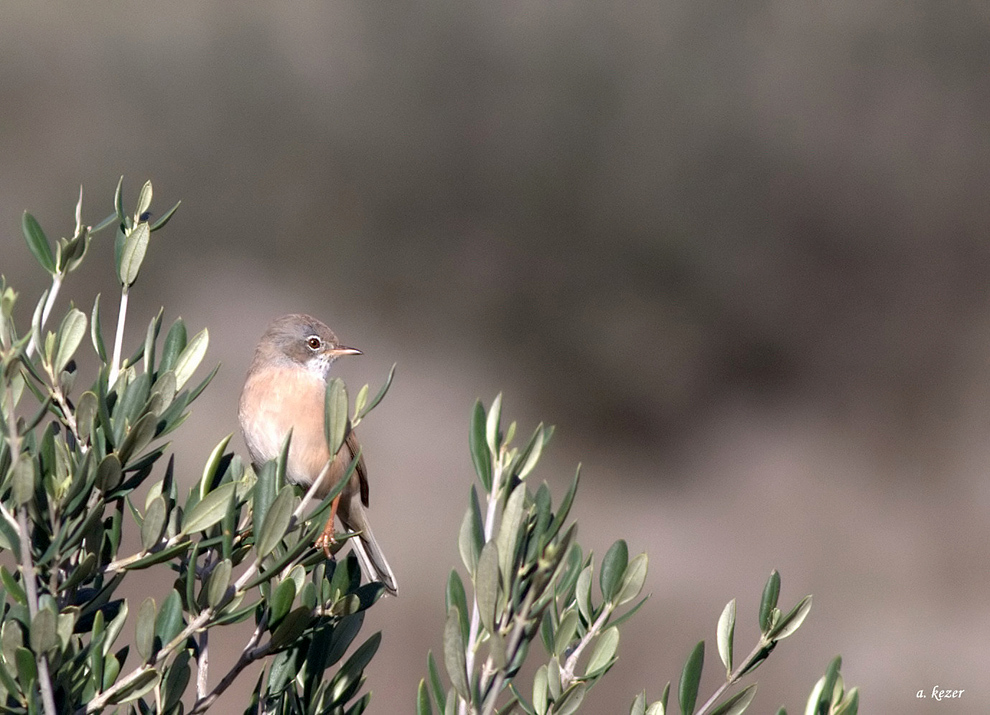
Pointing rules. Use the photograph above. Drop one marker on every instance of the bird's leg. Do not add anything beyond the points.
(326, 539)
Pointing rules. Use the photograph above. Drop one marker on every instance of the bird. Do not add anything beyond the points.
(285, 390)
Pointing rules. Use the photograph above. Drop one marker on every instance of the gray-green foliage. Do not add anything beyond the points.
(530, 579)
(78, 469)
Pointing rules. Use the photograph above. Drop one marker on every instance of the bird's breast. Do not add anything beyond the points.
(276, 400)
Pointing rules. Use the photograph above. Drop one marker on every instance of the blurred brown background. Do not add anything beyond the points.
(736, 251)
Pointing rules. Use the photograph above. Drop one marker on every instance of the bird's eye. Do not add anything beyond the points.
(313, 342)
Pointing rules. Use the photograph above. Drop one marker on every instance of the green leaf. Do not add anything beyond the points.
(144, 201)
(492, 424)
(540, 691)
(849, 704)
(453, 653)
(118, 200)
(144, 683)
(724, 635)
(436, 686)
(335, 421)
(132, 253)
(276, 521)
(604, 652)
(96, 331)
(613, 567)
(216, 587)
(769, 601)
(190, 358)
(792, 621)
(144, 639)
(456, 598)
(70, 335)
(350, 672)
(43, 635)
(138, 437)
(23, 480)
(169, 622)
(210, 510)
(27, 668)
(150, 337)
(471, 536)
(176, 680)
(687, 693)
(423, 706)
(175, 343)
(570, 699)
(86, 409)
(480, 455)
(108, 473)
(533, 451)
(166, 217)
(737, 704)
(633, 579)
(582, 592)
(486, 585)
(281, 601)
(361, 413)
(565, 632)
(509, 529)
(154, 523)
(291, 627)
(212, 464)
(37, 242)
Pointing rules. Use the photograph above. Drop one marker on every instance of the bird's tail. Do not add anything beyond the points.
(372, 560)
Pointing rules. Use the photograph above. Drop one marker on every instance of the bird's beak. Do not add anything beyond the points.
(338, 351)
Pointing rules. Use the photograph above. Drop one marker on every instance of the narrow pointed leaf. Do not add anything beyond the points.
(70, 335)
(492, 424)
(423, 706)
(276, 521)
(792, 621)
(480, 454)
(37, 242)
(471, 536)
(216, 587)
(154, 523)
(613, 567)
(769, 601)
(132, 253)
(605, 649)
(737, 704)
(508, 534)
(633, 579)
(335, 422)
(190, 358)
(166, 217)
(96, 330)
(725, 634)
(144, 200)
(453, 653)
(687, 693)
(486, 585)
(144, 638)
(210, 510)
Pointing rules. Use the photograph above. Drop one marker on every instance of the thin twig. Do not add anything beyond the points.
(570, 665)
(249, 654)
(734, 678)
(118, 340)
(28, 573)
(198, 623)
(470, 649)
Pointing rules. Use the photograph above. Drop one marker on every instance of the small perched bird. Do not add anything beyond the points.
(285, 390)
